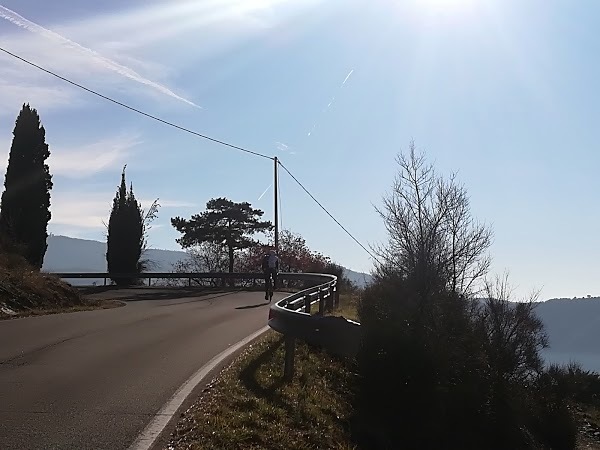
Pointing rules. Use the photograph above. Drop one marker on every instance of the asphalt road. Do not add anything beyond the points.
(95, 379)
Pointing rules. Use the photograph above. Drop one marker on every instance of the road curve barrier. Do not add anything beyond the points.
(293, 317)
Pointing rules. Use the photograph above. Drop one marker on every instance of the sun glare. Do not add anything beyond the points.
(447, 5)
(447, 8)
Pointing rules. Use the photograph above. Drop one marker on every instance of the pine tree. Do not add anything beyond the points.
(125, 238)
(224, 223)
(25, 204)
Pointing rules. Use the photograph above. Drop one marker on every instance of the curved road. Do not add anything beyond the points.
(94, 380)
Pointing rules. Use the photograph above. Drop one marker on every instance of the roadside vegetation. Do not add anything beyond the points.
(448, 358)
(24, 216)
(25, 291)
(446, 352)
(248, 406)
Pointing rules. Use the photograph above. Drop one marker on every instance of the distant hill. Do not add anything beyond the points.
(573, 329)
(573, 326)
(360, 279)
(67, 254)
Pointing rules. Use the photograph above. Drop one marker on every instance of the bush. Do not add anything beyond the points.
(550, 418)
(438, 367)
(451, 372)
(577, 384)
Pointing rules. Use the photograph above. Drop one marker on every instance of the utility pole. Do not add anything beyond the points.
(276, 192)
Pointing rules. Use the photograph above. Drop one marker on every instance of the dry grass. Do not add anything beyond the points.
(348, 307)
(250, 407)
(25, 291)
(588, 424)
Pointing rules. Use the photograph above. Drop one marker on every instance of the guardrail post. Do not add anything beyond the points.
(290, 350)
(104, 281)
(330, 299)
(321, 302)
(307, 304)
(149, 281)
(337, 297)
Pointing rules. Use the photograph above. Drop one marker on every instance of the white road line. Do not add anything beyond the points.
(147, 438)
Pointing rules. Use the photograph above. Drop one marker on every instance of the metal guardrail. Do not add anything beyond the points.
(292, 316)
(248, 276)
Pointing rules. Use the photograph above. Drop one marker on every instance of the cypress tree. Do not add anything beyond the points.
(25, 203)
(125, 238)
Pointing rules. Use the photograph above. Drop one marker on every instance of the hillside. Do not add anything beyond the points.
(573, 327)
(67, 254)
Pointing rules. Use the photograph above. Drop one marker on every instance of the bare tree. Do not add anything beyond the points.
(148, 217)
(433, 238)
(514, 334)
(206, 257)
(433, 356)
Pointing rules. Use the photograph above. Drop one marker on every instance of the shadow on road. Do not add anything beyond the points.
(173, 295)
(258, 305)
(151, 293)
(204, 298)
(88, 290)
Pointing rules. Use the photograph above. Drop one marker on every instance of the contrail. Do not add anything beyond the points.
(347, 76)
(331, 102)
(266, 190)
(28, 25)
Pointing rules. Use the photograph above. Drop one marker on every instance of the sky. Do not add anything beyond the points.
(503, 92)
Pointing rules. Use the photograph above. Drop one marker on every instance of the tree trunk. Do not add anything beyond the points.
(230, 249)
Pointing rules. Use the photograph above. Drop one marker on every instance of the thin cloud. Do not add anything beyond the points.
(176, 204)
(169, 203)
(80, 210)
(348, 76)
(263, 194)
(330, 103)
(44, 97)
(82, 161)
(107, 63)
(282, 147)
(90, 210)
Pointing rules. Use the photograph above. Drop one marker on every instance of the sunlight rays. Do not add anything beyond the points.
(487, 31)
(148, 25)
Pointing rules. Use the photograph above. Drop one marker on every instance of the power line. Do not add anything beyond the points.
(195, 133)
(328, 213)
(131, 108)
